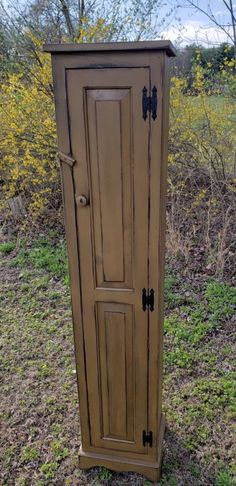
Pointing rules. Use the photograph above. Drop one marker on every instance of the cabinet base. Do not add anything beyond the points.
(121, 464)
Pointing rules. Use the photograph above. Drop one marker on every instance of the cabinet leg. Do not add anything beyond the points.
(122, 464)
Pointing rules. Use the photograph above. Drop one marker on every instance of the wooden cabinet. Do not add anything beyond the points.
(112, 119)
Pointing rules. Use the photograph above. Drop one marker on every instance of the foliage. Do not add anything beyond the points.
(104, 475)
(43, 254)
(39, 381)
(72, 21)
(225, 478)
(29, 165)
(6, 65)
(28, 138)
(7, 247)
(227, 27)
(29, 454)
(201, 180)
(191, 322)
(183, 63)
(202, 167)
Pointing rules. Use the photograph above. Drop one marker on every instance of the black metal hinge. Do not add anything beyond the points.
(149, 103)
(148, 299)
(147, 438)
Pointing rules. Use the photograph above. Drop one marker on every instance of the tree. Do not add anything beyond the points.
(28, 162)
(227, 26)
(67, 20)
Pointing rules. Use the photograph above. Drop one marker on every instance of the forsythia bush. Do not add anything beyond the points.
(202, 165)
(28, 161)
(201, 151)
(28, 137)
(202, 123)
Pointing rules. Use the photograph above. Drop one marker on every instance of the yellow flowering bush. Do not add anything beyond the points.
(28, 164)
(202, 144)
(202, 164)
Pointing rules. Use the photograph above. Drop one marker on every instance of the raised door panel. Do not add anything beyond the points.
(109, 139)
(110, 142)
(115, 332)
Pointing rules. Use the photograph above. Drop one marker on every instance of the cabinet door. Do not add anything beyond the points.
(110, 142)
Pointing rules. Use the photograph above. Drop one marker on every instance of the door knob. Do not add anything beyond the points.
(82, 200)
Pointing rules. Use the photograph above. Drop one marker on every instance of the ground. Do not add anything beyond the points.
(39, 408)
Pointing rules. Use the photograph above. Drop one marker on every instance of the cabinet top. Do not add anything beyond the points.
(158, 45)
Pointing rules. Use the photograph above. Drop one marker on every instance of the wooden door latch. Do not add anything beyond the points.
(66, 159)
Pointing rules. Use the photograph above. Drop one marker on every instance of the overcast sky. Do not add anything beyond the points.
(195, 27)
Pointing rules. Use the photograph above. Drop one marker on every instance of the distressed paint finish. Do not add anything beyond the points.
(114, 178)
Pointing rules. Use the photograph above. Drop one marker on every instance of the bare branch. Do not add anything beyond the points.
(210, 15)
(66, 13)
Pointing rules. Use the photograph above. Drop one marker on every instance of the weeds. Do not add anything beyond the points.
(225, 478)
(29, 454)
(39, 396)
(188, 325)
(7, 247)
(43, 255)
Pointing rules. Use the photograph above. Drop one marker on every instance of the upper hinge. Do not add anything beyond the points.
(147, 438)
(148, 299)
(149, 103)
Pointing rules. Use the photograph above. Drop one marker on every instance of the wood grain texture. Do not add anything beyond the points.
(112, 171)
(67, 183)
(115, 243)
(158, 166)
(115, 327)
(110, 156)
(164, 45)
(151, 470)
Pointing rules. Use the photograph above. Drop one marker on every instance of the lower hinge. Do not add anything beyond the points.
(147, 438)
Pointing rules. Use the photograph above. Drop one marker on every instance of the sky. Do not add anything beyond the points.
(196, 27)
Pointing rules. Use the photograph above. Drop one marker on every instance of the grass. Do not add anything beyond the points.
(43, 255)
(7, 247)
(225, 478)
(39, 408)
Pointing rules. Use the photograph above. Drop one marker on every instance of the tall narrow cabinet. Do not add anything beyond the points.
(112, 120)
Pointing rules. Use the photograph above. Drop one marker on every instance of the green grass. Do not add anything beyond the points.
(43, 255)
(104, 475)
(225, 478)
(29, 454)
(173, 297)
(221, 301)
(49, 470)
(188, 325)
(200, 393)
(213, 100)
(7, 247)
(39, 406)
